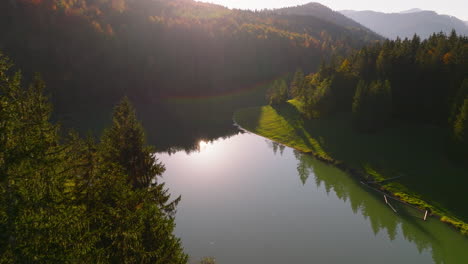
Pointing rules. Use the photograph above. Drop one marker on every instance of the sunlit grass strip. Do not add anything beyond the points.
(288, 131)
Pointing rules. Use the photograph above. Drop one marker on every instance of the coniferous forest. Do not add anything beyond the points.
(67, 199)
(150, 50)
(71, 197)
(92, 53)
(409, 80)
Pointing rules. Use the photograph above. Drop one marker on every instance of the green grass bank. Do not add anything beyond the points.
(415, 152)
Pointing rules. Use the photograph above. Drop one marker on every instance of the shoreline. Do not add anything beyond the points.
(364, 179)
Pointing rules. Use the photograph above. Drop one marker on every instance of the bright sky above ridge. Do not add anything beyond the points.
(458, 8)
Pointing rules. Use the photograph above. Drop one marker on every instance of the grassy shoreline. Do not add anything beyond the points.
(371, 157)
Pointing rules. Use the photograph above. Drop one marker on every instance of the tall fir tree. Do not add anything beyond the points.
(124, 144)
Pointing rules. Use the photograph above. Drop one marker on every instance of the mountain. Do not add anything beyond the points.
(153, 49)
(406, 24)
(92, 53)
(325, 13)
(412, 10)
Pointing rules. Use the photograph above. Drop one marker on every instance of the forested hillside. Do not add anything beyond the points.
(97, 51)
(411, 80)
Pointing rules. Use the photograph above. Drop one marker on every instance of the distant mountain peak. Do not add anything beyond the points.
(315, 4)
(412, 10)
(405, 24)
(325, 13)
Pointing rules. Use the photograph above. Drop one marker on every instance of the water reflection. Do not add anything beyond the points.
(173, 125)
(242, 203)
(275, 147)
(431, 235)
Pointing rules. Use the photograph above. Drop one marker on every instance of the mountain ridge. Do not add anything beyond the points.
(412, 10)
(151, 50)
(323, 12)
(405, 24)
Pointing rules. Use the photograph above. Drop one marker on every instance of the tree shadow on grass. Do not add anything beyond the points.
(294, 119)
(413, 151)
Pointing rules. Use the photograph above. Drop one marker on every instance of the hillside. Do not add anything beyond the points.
(150, 50)
(322, 12)
(407, 23)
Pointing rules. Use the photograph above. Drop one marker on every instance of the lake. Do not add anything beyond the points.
(247, 200)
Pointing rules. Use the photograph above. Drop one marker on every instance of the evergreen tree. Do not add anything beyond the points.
(319, 99)
(72, 201)
(460, 129)
(37, 223)
(136, 215)
(372, 105)
(278, 93)
(124, 144)
(296, 89)
(324, 98)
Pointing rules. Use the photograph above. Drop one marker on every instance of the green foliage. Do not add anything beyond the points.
(428, 83)
(37, 223)
(461, 124)
(372, 105)
(329, 91)
(297, 87)
(429, 180)
(320, 99)
(460, 133)
(278, 93)
(154, 38)
(67, 200)
(124, 144)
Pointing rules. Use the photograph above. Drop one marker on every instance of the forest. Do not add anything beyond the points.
(69, 198)
(98, 51)
(419, 82)
(74, 200)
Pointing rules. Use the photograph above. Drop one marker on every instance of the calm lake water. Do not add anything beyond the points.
(248, 200)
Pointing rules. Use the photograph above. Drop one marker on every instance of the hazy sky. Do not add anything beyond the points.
(458, 8)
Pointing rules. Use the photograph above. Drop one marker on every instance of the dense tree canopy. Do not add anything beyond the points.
(413, 80)
(372, 105)
(99, 51)
(278, 92)
(68, 200)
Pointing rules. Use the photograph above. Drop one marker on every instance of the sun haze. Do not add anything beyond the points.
(450, 7)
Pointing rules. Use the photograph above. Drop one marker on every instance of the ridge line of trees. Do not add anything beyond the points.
(412, 80)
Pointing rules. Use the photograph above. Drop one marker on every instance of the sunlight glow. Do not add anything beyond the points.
(203, 146)
(449, 7)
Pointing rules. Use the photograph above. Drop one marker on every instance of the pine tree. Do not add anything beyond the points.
(460, 128)
(296, 89)
(278, 93)
(372, 105)
(124, 144)
(70, 200)
(37, 223)
(136, 218)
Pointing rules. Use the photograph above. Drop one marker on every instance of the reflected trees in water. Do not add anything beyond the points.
(431, 235)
